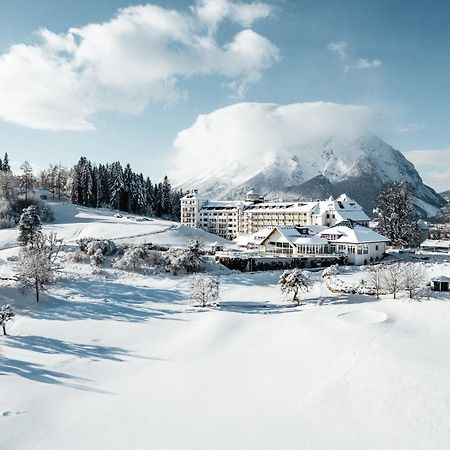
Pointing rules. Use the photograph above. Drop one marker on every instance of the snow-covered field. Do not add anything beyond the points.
(122, 361)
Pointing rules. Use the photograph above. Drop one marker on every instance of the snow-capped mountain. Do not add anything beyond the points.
(271, 149)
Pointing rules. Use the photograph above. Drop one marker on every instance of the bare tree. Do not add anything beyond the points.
(205, 290)
(377, 278)
(6, 315)
(393, 278)
(294, 281)
(26, 180)
(37, 266)
(413, 277)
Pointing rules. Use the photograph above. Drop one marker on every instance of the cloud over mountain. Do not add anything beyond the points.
(128, 62)
(251, 136)
(298, 151)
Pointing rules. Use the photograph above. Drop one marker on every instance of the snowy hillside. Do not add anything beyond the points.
(124, 362)
(119, 360)
(75, 222)
(445, 195)
(305, 151)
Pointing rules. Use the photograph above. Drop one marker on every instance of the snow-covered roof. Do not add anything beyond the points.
(223, 205)
(295, 237)
(344, 198)
(349, 209)
(435, 243)
(356, 215)
(193, 195)
(261, 234)
(314, 229)
(349, 232)
(255, 238)
(441, 279)
(277, 206)
(310, 240)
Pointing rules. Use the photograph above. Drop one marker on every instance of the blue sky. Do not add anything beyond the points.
(393, 56)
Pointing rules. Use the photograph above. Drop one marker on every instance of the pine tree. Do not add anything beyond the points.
(127, 188)
(30, 227)
(396, 215)
(166, 201)
(6, 166)
(140, 193)
(116, 185)
(149, 197)
(86, 183)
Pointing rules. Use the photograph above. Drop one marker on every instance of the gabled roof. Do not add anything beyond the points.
(442, 279)
(352, 233)
(294, 237)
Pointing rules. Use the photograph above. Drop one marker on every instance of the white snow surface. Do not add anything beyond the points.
(122, 361)
(74, 222)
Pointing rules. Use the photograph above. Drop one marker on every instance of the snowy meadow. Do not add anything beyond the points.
(115, 359)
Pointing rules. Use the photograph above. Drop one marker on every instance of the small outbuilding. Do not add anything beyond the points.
(440, 283)
(435, 245)
(216, 247)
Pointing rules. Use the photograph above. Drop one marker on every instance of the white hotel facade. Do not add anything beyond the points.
(230, 219)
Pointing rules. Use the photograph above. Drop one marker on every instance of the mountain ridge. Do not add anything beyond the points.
(358, 167)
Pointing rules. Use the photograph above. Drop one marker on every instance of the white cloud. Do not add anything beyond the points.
(433, 166)
(363, 63)
(254, 134)
(126, 63)
(339, 47)
(212, 12)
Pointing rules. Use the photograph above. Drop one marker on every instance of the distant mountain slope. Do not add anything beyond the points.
(359, 168)
(299, 151)
(445, 195)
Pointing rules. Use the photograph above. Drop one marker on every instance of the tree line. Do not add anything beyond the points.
(117, 187)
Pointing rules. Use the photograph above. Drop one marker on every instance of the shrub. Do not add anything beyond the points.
(91, 245)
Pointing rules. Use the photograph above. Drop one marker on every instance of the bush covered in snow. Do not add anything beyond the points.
(77, 256)
(7, 217)
(294, 281)
(97, 258)
(90, 246)
(340, 286)
(188, 259)
(141, 257)
(330, 271)
(149, 258)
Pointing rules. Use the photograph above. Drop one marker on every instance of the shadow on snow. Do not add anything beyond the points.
(102, 300)
(40, 374)
(55, 346)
